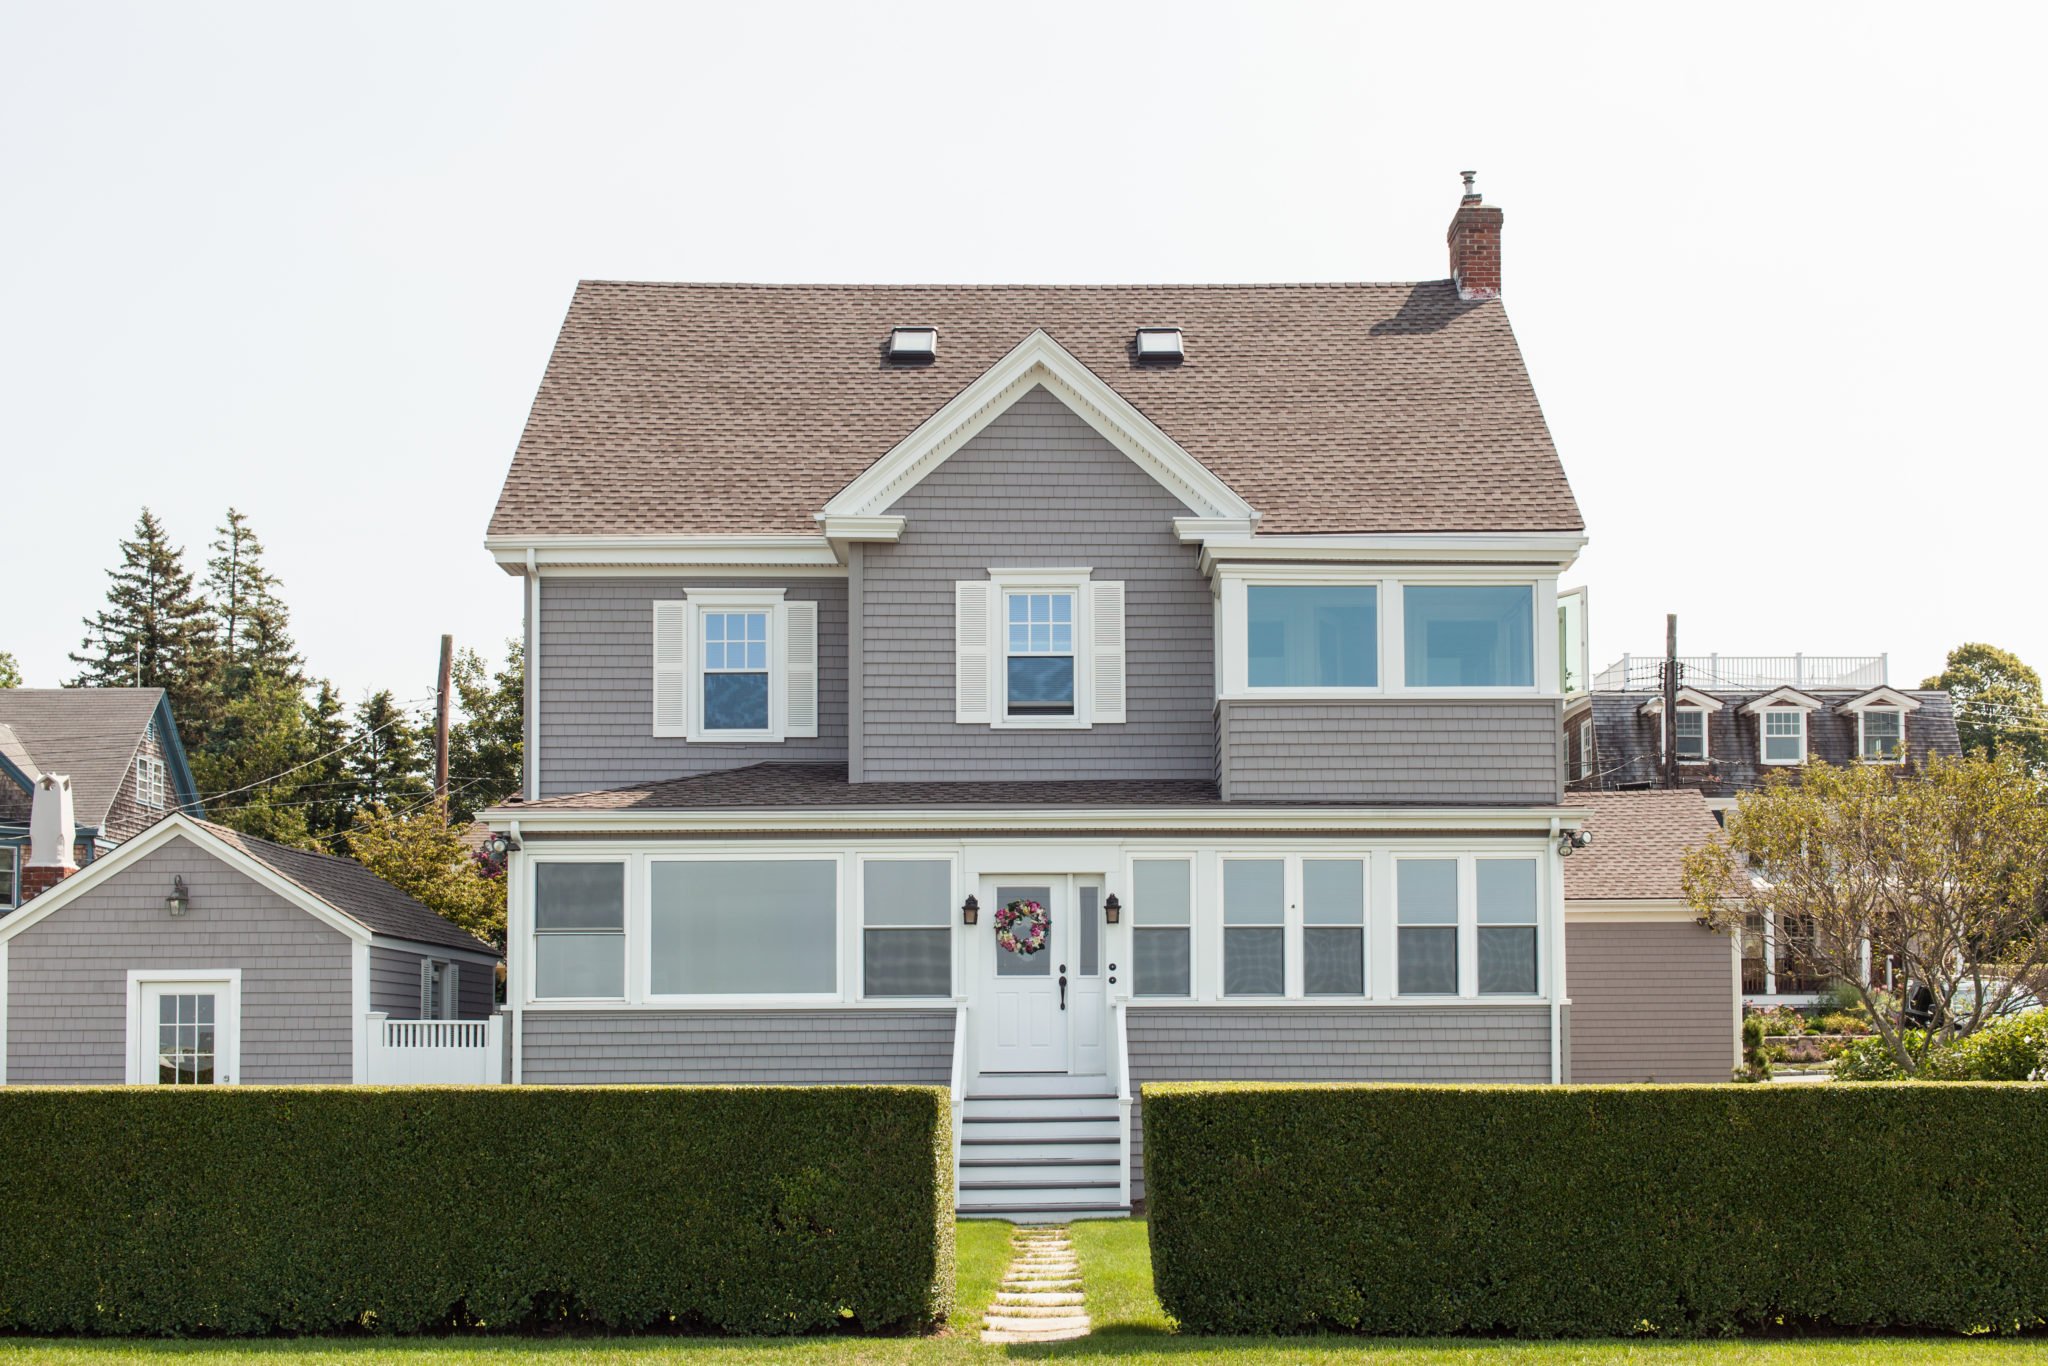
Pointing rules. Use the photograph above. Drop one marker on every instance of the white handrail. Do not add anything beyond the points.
(958, 1089)
(1122, 1050)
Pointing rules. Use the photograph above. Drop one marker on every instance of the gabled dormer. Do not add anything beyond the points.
(1880, 717)
(1781, 720)
(1694, 710)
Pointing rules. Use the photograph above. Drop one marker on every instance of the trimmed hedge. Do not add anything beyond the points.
(1598, 1211)
(243, 1210)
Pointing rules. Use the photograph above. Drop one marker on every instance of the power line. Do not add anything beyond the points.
(345, 746)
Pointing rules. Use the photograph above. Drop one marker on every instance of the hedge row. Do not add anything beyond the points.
(1594, 1211)
(244, 1210)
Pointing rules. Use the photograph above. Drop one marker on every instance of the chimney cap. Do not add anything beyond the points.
(1471, 190)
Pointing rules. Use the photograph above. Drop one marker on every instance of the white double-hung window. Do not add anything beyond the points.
(1162, 927)
(906, 937)
(1038, 648)
(1468, 926)
(735, 665)
(1506, 899)
(1784, 736)
(150, 781)
(1280, 911)
(1692, 735)
(1426, 933)
(579, 929)
(1881, 734)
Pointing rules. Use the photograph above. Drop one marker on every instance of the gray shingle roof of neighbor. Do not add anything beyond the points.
(1639, 844)
(672, 409)
(88, 734)
(353, 890)
(1625, 742)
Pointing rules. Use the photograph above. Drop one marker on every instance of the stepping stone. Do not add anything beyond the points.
(1040, 1297)
(1073, 1324)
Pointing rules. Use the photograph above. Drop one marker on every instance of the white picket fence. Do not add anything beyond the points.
(435, 1052)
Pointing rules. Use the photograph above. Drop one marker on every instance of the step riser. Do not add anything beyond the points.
(1071, 1107)
(1026, 1150)
(1025, 1131)
(1027, 1171)
(1036, 1084)
(1038, 1195)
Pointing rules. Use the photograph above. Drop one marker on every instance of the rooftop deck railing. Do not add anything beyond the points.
(1747, 673)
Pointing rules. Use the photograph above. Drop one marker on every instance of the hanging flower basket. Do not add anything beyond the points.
(1021, 927)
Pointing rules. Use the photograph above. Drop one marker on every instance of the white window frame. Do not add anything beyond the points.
(1764, 736)
(151, 785)
(1468, 925)
(1863, 753)
(1706, 741)
(640, 929)
(1233, 628)
(1584, 769)
(529, 892)
(771, 603)
(957, 894)
(1198, 873)
(1075, 582)
(10, 877)
(1462, 927)
(1471, 869)
(1293, 922)
(227, 1022)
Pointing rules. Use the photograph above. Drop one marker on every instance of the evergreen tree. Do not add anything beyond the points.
(251, 623)
(154, 631)
(387, 756)
(327, 785)
(1999, 708)
(10, 672)
(257, 760)
(484, 747)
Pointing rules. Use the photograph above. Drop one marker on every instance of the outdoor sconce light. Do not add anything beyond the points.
(1112, 909)
(179, 901)
(970, 911)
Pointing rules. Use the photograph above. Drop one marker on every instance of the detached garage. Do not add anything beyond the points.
(1654, 996)
(197, 955)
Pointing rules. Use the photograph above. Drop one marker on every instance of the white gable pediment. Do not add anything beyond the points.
(860, 511)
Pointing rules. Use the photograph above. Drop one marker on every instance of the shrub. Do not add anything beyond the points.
(1872, 1059)
(1595, 1211)
(244, 1210)
(1756, 1057)
(1842, 1022)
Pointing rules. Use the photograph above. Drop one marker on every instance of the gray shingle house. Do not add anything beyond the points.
(194, 954)
(1040, 691)
(119, 748)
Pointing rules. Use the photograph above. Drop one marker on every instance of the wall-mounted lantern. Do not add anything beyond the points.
(970, 910)
(180, 900)
(1112, 909)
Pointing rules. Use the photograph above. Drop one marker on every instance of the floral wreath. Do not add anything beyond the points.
(1021, 927)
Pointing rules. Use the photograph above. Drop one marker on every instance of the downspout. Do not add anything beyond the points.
(1556, 952)
(515, 995)
(532, 753)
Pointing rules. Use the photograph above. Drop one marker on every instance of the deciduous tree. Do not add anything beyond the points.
(10, 672)
(421, 854)
(1998, 703)
(1943, 871)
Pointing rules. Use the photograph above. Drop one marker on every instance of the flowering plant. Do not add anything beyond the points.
(1021, 927)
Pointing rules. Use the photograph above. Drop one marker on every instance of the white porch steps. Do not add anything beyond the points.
(1039, 1148)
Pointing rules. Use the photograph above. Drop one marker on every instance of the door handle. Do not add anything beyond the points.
(1063, 986)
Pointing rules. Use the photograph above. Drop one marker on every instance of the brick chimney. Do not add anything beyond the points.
(1474, 239)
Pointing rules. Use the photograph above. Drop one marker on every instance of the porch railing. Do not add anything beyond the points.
(1120, 1044)
(435, 1052)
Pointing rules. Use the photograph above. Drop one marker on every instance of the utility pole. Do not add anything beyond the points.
(1670, 717)
(441, 724)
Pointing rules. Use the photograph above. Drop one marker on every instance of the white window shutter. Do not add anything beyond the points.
(672, 668)
(800, 656)
(971, 651)
(451, 989)
(1107, 662)
(426, 988)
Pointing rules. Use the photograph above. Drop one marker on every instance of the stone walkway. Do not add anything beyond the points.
(1041, 1296)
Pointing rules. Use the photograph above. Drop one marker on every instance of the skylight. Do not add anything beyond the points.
(1160, 345)
(909, 345)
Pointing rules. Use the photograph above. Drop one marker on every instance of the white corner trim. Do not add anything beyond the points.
(3, 1012)
(227, 1048)
(1037, 360)
(173, 826)
(358, 1012)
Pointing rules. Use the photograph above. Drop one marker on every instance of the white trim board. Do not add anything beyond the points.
(227, 1050)
(1111, 820)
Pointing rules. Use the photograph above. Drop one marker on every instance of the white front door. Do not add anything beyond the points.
(1026, 1022)
(185, 1033)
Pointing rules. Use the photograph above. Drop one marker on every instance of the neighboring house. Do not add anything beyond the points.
(193, 954)
(120, 749)
(1740, 719)
(1219, 622)
(1654, 994)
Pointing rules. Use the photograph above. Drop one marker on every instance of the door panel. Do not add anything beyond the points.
(1028, 1030)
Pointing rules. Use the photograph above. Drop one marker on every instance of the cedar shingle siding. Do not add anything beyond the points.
(732, 1047)
(1387, 752)
(67, 976)
(1651, 1001)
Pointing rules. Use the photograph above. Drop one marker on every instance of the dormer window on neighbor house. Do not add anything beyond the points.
(1781, 725)
(1881, 724)
(1694, 710)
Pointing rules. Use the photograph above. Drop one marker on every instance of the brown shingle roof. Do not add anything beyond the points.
(1639, 844)
(814, 785)
(675, 409)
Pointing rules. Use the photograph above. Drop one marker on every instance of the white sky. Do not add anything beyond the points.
(1774, 268)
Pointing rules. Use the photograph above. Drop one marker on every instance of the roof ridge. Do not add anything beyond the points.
(994, 287)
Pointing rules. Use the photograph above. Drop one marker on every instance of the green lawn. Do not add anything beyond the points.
(1129, 1327)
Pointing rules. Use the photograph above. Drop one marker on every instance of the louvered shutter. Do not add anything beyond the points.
(451, 992)
(800, 654)
(1107, 607)
(672, 668)
(426, 988)
(971, 651)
